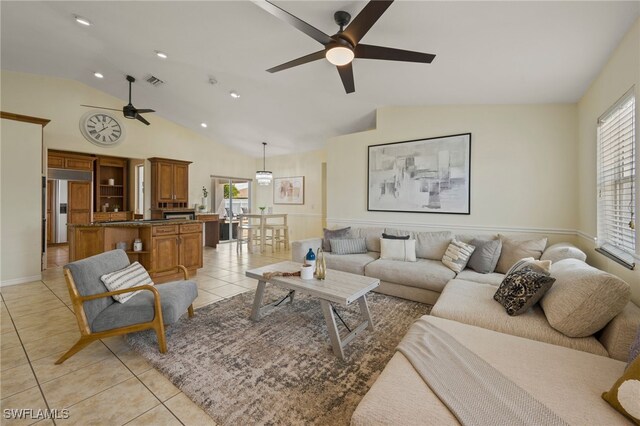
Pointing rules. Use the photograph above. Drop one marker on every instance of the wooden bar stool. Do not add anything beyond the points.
(248, 233)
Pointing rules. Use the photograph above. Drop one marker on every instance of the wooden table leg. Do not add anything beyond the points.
(263, 237)
(332, 328)
(364, 311)
(257, 302)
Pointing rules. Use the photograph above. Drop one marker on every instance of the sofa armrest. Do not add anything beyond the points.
(300, 248)
(561, 251)
(618, 335)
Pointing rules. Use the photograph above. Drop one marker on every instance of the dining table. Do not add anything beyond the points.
(262, 222)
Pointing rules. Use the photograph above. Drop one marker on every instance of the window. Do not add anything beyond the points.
(616, 181)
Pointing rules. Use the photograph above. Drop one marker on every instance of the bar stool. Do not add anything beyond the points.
(248, 233)
(279, 236)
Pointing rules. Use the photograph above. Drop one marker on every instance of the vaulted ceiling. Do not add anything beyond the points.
(487, 53)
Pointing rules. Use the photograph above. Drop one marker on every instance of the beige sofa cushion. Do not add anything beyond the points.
(353, 263)
(472, 303)
(494, 278)
(432, 245)
(371, 236)
(583, 299)
(424, 273)
(568, 382)
(618, 335)
(561, 251)
(514, 249)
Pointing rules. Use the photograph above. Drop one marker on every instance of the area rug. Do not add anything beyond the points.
(281, 369)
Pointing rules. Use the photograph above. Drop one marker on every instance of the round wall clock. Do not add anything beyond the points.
(102, 128)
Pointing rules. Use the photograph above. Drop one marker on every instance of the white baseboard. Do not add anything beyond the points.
(21, 280)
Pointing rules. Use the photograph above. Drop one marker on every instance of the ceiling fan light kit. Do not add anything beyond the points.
(264, 177)
(343, 47)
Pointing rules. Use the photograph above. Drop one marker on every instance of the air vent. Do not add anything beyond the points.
(154, 81)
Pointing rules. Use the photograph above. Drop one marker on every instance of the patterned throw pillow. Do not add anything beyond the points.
(457, 255)
(131, 276)
(403, 250)
(623, 395)
(348, 246)
(521, 290)
(334, 234)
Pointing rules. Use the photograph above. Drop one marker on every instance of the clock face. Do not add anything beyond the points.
(101, 128)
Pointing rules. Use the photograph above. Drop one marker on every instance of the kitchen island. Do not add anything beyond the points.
(165, 243)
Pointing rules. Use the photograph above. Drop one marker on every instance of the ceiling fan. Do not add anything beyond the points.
(341, 48)
(128, 110)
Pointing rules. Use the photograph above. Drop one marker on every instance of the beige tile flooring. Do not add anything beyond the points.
(106, 383)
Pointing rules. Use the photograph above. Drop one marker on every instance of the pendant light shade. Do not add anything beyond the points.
(264, 177)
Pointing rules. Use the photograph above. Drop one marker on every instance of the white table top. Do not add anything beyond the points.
(338, 287)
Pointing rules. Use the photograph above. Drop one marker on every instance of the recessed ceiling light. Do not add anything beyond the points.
(82, 21)
(234, 94)
(204, 125)
(98, 75)
(160, 54)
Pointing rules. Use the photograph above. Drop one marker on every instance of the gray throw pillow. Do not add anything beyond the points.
(521, 290)
(395, 237)
(334, 234)
(348, 246)
(485, 257)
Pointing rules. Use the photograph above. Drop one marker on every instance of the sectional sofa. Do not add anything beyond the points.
(565, 351)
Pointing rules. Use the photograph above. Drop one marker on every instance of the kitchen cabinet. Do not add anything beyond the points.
(68, 160)
(169, 185)
(79, 202)
(112, 216)
(111, 169)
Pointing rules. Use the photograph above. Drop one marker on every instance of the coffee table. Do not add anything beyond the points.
(338, 288)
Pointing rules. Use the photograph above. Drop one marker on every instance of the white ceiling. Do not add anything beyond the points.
(487, 53)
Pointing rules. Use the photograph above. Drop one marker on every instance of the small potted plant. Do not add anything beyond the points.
(116, 207)
(262, 209)
(203, 203)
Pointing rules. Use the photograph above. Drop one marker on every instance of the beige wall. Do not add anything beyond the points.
(523, 167)
(59, 100)
(20, 201)
(621, 72)
(305, 220)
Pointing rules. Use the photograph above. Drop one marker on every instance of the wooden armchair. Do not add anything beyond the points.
(99, 316)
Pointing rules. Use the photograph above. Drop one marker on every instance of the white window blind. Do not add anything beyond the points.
(616, 180)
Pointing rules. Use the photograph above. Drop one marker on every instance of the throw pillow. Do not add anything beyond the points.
(457, 255)
(623, 395)
(514, 249)
(348, 246)
(334, 234)
(404, 250)
(131, 276)
(521, 290)
(395, 237)
(432, 245)
(485, 257)
(539, 266)
(583, 299)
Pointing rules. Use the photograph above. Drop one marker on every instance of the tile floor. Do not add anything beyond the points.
(106, 383)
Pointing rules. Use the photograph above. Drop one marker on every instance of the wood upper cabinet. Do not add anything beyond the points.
(169, 184)
(69, 160)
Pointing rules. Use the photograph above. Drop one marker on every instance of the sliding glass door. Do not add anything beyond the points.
(231, 197)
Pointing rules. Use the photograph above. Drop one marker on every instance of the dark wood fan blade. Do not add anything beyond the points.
(362, 23)
(282, 14)
(365, 51)
(141, 118)
(98, 107)
(303, 60)
(144, 111)
(346, 75)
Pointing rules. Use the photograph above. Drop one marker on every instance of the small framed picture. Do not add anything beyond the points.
(288, 190)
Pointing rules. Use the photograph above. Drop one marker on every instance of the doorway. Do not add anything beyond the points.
(231, 197)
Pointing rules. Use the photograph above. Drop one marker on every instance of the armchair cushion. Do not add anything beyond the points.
(175, 298)
(86, 275)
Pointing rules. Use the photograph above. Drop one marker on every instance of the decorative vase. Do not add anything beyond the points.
(321, 265)
(203, 202)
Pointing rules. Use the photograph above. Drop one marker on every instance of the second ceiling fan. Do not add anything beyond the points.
(341, 48)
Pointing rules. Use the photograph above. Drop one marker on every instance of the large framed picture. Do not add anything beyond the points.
(431, 175)
(288, 190)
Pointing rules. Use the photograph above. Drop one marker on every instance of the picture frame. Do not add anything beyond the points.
(288, 190)
(429, 175)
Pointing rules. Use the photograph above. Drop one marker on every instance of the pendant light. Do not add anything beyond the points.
(264, 177)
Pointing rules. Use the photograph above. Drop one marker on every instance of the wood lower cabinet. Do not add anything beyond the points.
(163, 246)
(112, 216)
(79, 202)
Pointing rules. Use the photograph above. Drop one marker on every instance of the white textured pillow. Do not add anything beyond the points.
(539, 266)
(404, 250)
(131, 276)
(457, 255)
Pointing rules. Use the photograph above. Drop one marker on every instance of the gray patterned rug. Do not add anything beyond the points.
(280, 370)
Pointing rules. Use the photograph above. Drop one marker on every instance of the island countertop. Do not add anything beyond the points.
(135, 223)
